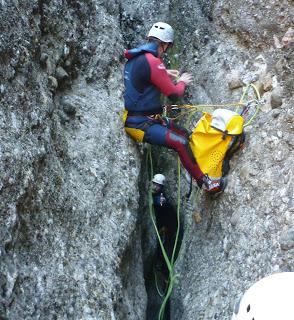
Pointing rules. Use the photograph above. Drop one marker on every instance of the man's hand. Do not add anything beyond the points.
(186, 77)
(174, 74)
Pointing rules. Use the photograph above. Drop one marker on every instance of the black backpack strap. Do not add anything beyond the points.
(236, 144)
(190, 188)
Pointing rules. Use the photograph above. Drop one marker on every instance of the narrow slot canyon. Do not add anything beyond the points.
(76, 237)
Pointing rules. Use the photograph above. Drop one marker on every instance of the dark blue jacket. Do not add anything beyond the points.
(145, 78)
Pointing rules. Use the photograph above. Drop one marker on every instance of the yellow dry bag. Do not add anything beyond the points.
(213, 139)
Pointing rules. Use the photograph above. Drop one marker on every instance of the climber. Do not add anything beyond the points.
(166, 220)
(145, 78)
(164, 212)
(270, 298)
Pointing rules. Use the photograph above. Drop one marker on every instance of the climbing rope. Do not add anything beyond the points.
(161, 294)
(253, 104)
(169, 262)
(172, 276)
(190, 110)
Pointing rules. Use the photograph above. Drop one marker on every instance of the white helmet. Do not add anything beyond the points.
(162, 31)
(271, 298)
(159, 178)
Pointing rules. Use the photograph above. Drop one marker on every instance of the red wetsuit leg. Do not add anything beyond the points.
(181, 145)
(178, 129)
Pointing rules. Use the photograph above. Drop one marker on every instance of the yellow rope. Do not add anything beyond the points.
(191, 109)
(199, 106)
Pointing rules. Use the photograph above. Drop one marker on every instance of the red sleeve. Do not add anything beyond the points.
(160, 78)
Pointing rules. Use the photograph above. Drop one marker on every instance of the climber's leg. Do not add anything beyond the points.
(160, 135)
(177, 129)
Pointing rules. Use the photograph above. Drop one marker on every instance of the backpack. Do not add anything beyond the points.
(214, 140)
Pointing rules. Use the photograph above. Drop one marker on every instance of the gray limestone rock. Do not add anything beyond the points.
(76, 239)
(276, 98)
(287, 240)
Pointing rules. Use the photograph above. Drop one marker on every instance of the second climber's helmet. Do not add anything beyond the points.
(162, 31)
(159, 179)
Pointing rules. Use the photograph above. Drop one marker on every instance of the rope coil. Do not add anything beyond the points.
(251, 104)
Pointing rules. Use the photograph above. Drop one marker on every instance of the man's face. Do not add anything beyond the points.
(162, 48)
(156, 187)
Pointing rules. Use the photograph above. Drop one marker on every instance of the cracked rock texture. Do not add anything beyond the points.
(74, 239)
(247, 233)
(70, 245)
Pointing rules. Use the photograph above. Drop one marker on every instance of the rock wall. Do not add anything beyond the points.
(70, 246)
(72, 213)
(247, 233)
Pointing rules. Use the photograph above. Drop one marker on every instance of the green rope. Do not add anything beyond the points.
(170, 263)
(151, 211)
(172, 276)
(190, 111)
(258, 103)
(156, 285)
(178, 212)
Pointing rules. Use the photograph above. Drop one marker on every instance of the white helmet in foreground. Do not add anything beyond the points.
(159, 179)
(162, 31)
(271, 298)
